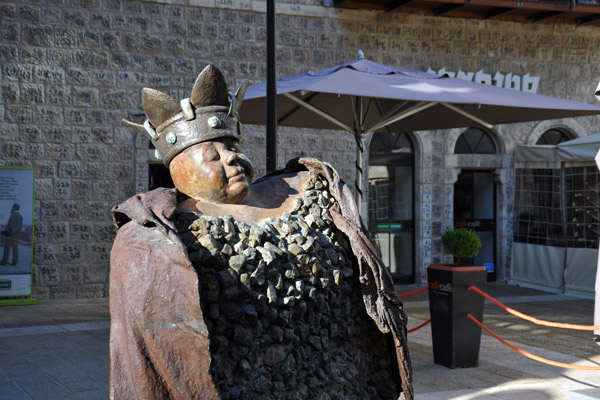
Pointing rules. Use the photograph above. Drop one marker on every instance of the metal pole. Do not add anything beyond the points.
(271, 90)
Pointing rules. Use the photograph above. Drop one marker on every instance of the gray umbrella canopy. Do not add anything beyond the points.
(362, 96)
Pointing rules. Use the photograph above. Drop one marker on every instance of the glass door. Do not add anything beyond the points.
(475, 208)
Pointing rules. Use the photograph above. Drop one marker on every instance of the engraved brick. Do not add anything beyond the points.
(105, 190)
(75, 18)
(72, 210)
(93, 170)
(58, 232)
(49, 210)
(63, 292)
(48, 74)
(19, 114)
(32, 93)
(62, 188)
(48, 274)
(37, 35)
(95, 273)
(130, 42)
(50, 15)
(97, 253)
(70, 169)
(98, 20)
(84, 96)
(48, 115)
(14, 150)
(59, 57)
(9, 92)
(58, 95)
(70, 274)
(81, 190)
(141, 24)
(105, 232)
(65, 37)
(31, 133)
(103, 135)
(45, 169)
(75, 116)
(88, 39)
(7, 12)
(97, 210)
(9, 32)
(63, 151)
(77, 76)
(8, 53)
(18, 72)
(34, 151)
(151, 44)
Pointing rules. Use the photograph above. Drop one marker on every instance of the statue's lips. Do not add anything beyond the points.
(238, 175)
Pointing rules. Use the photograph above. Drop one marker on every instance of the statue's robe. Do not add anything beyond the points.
(159, 344)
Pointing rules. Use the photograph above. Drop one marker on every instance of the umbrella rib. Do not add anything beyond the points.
(293, 110)
(466, 114)
(423, 105)
(318, 111)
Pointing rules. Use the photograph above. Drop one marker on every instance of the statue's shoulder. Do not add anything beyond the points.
(154, 207)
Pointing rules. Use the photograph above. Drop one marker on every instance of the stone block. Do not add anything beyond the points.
(59, 95)
(81, 190)
(45, 254)
(70, 254)
(81, 232)
(70, 169)
(58, 232)
(95, 273)
(62, 188)
(37, 35)
(98, 253)
(43, 188)
(9, 92)
(75, 18)
(45, 169)
(14, 151)
(9, 33)
(48, 275)
(97, 210)
(18, 72)
(72, 210)
(99, 20)
(104, 232)
(8, 53)
(61, 151)
(31, 93)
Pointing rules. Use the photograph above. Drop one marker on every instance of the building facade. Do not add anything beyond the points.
(73, 69)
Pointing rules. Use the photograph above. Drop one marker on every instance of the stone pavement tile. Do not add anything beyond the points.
(42, 387)
(101, 394)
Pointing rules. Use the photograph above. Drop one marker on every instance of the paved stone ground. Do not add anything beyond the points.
(59, 350)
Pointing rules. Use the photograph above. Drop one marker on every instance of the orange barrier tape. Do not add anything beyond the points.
(411, 293)
(532, 319)
(419, 327)
(529, 355)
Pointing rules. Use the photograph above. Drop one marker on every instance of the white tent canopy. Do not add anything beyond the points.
(557, 188)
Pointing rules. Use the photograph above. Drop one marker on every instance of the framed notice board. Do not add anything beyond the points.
(16, 235)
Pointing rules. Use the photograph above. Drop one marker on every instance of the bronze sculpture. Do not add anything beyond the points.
(223, 289)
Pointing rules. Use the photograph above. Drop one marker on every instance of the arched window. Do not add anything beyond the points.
(391, 209)
(475, 141)
(553, 136)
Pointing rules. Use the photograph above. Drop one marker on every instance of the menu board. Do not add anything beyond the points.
(16, 234)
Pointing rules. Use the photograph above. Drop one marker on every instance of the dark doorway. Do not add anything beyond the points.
(475, 208)
(391, 206)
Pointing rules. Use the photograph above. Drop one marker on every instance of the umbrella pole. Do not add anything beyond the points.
(359, 170)
(271, 139)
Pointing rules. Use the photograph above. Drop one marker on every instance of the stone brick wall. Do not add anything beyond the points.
(72, 69)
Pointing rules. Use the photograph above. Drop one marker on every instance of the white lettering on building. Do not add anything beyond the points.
(525, 83)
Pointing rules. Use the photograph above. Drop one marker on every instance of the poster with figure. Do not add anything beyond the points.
(16, 234)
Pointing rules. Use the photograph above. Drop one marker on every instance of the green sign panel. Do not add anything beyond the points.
(5, 285)
(389, 225)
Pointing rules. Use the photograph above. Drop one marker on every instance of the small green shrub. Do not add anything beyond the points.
(461, 243)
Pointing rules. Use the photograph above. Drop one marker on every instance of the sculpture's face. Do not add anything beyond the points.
(215, 171)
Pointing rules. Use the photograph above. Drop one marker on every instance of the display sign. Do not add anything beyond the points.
(16, 235)
(389, 225)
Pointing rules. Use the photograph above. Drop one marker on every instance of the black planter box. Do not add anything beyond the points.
(455, 337)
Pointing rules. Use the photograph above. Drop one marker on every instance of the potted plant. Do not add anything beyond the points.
(455, 337)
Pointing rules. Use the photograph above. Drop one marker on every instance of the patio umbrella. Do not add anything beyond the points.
(363, 96)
